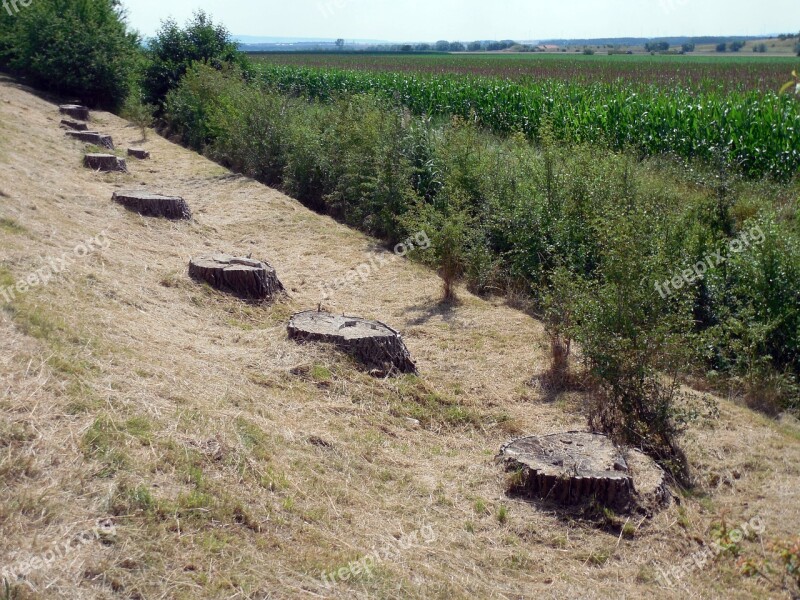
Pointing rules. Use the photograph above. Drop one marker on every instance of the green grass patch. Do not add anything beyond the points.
(11, 226)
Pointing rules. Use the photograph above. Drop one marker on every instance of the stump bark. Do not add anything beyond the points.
(76, 111)
(244, 277)
(105, 162)
(154, 205)
(138, 153)
(375, 344)
(575, 468)
(74, 125)
(93, 137)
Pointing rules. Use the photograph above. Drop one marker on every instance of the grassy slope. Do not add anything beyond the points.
(236, 464)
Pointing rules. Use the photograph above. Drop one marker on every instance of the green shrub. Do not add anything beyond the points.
(195, 110)
(138, 113)
(173, 50)
(80, 48)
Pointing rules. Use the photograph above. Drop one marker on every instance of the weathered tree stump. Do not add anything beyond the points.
(92, 137)
(375, 344)
(575, 468)
(154, 205)
(74, 125)
(138, 153)
(244, 277)
(105, 162)
(76, 111)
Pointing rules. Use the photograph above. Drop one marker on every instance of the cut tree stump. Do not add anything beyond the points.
(138, 153)
(76, 111)
(92, 137)
(575, 468)
(154, 205)
(375, 344)
(105, 162)
(246, 278)
(74, 125)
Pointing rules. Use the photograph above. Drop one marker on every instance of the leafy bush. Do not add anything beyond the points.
(173, 50)
(78, 48)
(138, 113)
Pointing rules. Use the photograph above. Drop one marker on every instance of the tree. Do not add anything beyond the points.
(737, 45)
(81, 49)
(442, 46)
(657, 46)
(474, 46)
(423, 48)
(174, 50)
(722, 47)
(340, 43)
(688, 47)
(457, 47)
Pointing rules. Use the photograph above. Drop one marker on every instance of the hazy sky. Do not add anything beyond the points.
(430, 20)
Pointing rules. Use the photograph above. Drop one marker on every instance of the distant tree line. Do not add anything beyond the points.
(446, 46)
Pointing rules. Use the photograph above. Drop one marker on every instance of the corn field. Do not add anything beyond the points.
(756, 132)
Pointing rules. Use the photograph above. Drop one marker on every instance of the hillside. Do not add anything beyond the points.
(161, 440)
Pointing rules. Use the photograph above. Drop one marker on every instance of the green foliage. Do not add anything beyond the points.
(138, 113)
(449, 229)
(756, 132)
(80, 48)
(657, 46)
(173, 50)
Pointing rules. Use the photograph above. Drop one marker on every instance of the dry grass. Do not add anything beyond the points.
(236, 464)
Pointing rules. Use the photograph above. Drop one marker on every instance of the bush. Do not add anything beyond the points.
(449, 227)
(138, 113)
(80, 49)
(173, 50)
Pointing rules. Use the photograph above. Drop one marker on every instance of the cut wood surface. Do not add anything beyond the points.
(575, 468)
(74, 125)
(76, 111)
(92, 137)
(138, 153)
(105, 162)
(375, 344)
(154, 205)
(244, 277)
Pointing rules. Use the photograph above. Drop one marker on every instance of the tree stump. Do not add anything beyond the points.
(375, 344)
(243, 277)
(92, 137)
(76, 111)
(105, 162)
(154, 205)
(138, 153)
(74, 125)
(575, 468)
